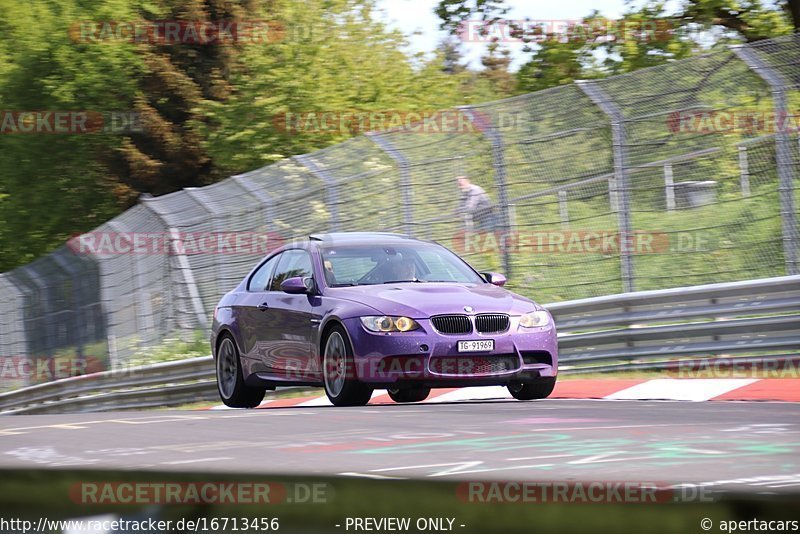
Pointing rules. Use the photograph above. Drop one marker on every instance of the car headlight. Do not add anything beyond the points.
(534, 319)
(385, 323)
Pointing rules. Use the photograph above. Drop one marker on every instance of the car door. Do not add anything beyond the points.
(290, 347)
(254, 327)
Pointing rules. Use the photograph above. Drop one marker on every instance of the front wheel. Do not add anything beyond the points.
(409, 395)
(538, 389)
(230, 381)
(338, 369)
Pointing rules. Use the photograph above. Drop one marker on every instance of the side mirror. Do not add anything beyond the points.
(296, 286)
(495, 279)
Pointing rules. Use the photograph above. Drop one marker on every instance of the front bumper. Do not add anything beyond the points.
(427, 357)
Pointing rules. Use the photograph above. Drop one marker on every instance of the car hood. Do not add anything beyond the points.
(420, 300)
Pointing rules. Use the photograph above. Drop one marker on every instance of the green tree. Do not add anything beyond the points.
(52, 185)
(750, 19)
(335, 57)
(496, 62)
(178, 79)
(554, 63)
(451, 57)
(696, 25)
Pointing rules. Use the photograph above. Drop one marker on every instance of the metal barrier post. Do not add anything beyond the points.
(331, 190)
(492, 133)
(404, 170)
(783, 151)
(619, 184)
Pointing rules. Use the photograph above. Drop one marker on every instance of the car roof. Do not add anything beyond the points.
(351, 238)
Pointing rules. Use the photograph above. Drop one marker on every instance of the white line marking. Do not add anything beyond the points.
(423, 466)
(368, 475)
(489, 469)
(539, 457)
(696, 451)
(606, 457)
(697, 389)
(198, 460)
(473, 394)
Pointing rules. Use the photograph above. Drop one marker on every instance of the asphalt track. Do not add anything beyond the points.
(738, 446)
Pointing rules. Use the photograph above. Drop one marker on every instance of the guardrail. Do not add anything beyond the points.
(631, 331)
(738, 317)
(161, 384)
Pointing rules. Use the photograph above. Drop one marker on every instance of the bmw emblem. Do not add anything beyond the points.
(468, 309)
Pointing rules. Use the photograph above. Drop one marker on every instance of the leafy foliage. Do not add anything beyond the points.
(209, 111)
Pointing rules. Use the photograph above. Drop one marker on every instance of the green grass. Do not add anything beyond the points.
(172, 349)
(734, 240)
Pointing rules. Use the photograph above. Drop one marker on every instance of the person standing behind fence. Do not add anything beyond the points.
(476, 206)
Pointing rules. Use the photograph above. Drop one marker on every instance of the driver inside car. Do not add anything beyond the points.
(402, 270)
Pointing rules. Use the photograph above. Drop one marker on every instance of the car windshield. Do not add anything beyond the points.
(355, 265)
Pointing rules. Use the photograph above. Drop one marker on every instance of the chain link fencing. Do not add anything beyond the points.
(670, 176)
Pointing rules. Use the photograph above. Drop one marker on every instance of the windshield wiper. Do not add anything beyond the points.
(414, 280)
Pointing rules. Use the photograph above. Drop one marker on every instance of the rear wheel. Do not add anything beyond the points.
(230, 381)
(409, 394)
(539, 389)
(338, 370)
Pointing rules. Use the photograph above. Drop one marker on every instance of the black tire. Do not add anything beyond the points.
(540, 389)
(230, 381)
(409, 394)
(339, 373)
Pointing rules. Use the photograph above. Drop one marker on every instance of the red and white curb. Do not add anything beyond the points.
(671, 389)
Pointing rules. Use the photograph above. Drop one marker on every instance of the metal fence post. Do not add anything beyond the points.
(619, 184)
(214, 213)
(744, 171)
(261, 195)
(137, 298)
(47, 312)
(669, 187)
(77, 311)
(404, 169)
(188, 276)
(13, 339)
(492, 133)
(783, 151)
(331, 189)
(563, 208)
(184, 268)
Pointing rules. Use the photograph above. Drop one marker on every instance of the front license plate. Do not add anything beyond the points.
(478, 345)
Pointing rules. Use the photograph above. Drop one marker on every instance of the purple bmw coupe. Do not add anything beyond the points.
(354, 312)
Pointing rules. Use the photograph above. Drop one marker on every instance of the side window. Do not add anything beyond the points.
(293, 263)
(259, 281)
